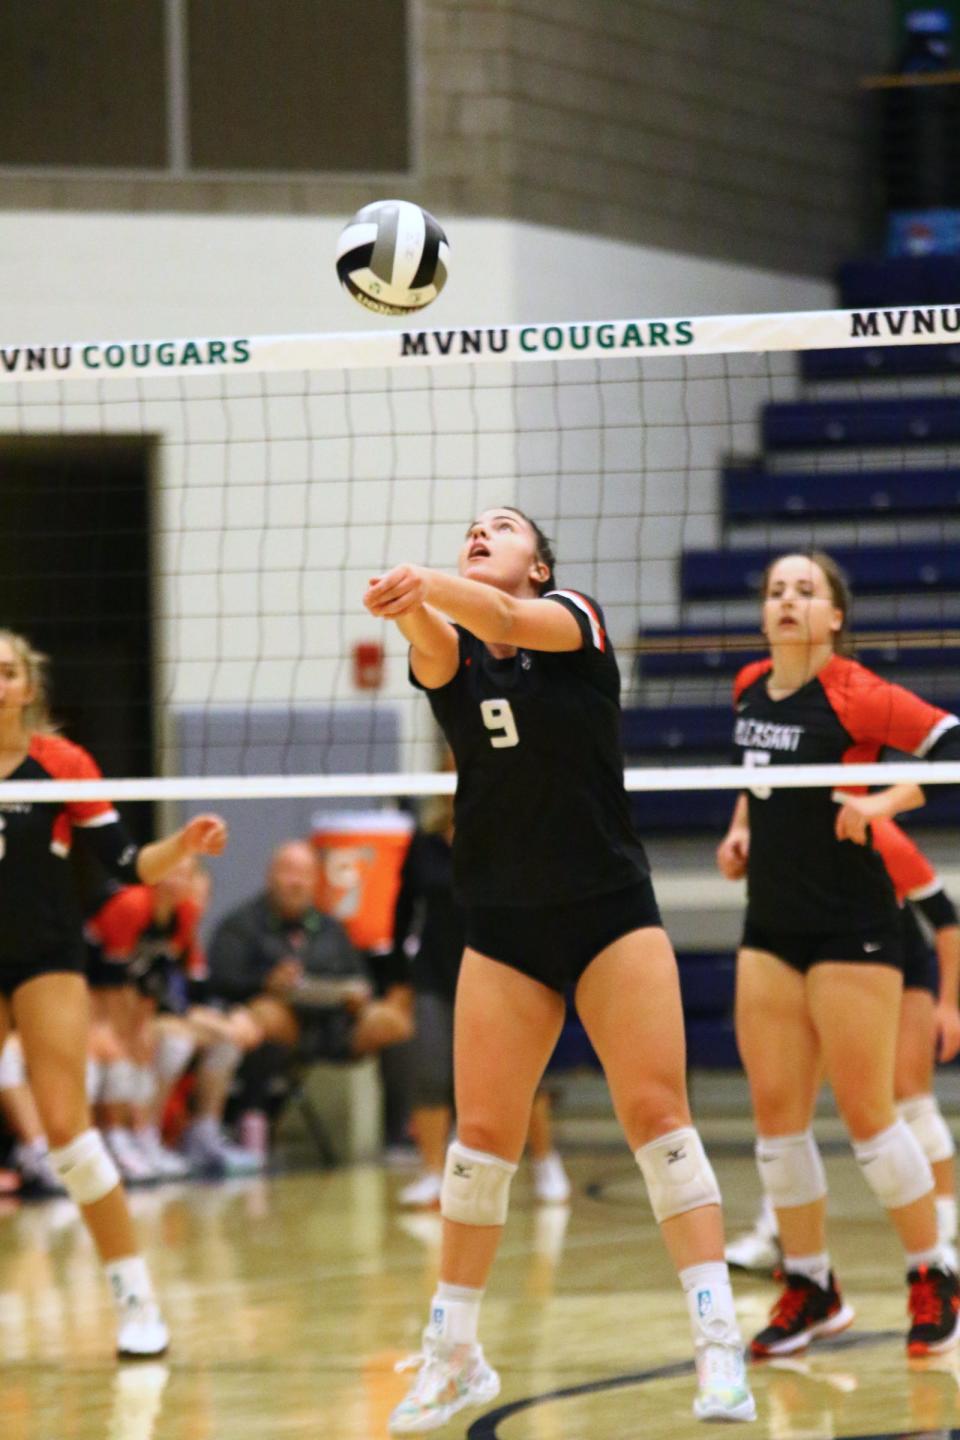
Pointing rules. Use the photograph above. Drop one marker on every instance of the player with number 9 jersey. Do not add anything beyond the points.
(556, 890)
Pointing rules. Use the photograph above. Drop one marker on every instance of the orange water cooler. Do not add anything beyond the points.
(361, 855)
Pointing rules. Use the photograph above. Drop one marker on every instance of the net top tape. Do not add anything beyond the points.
(560, 341)
(392, 786)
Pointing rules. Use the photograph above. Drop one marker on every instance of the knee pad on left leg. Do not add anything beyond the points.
(677, 1174)
(85, 1167)
(13, 1070)
(894, 1166)
(476, 1186)
(924, 1117)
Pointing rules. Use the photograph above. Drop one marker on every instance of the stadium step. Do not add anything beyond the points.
(877, 569)
(753, 493)
(815, 424)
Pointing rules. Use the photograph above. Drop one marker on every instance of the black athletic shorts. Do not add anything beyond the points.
(555, 943)
(14, 973)
(920, 968)
(880, 945)
(325, 1034)
(104, 974)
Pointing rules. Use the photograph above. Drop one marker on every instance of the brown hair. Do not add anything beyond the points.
(544, 547)
(36, 714)
(840, 593)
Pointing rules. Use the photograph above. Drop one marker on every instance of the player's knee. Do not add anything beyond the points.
(923, 1115)
(645, 1120)
(791, 1170)
(863, 1116)
(894, 1166)
(85, 1167)
(476, 1186)
(677, 1173)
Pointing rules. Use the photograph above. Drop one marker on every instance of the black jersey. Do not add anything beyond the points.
(541, 814)
(429, 925)
(800, 878)
(38, 905)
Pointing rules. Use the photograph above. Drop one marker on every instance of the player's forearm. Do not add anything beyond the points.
(896, 800)
(482, 609)
(160, 856)
(425, 629)
(948, 958)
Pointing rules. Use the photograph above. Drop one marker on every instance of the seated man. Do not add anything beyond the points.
(297, 977)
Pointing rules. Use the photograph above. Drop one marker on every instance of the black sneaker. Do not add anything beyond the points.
(803, 1313)
(934, 1309)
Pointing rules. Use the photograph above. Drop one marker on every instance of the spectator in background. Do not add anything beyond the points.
(298, 980)
(429, 933)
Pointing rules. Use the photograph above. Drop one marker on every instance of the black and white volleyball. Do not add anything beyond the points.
(393, 257)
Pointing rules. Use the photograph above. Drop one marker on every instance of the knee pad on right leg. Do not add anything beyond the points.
(791, 1170)
(924, 1117)
(677, 1174)
(894, 1166)
(476, 1186)
(174, 1052)
(85, 1167)
(119, 1083)
(13, 1070)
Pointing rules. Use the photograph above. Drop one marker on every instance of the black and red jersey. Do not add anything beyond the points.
(541, 814)
(914, 878)
(799, 876)
(128, 931)
(38, 905)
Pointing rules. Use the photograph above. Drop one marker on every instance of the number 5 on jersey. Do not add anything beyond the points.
(498, 718)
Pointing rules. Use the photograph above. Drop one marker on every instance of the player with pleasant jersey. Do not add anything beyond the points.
(43, 990)
(557, 893)
(820, 968)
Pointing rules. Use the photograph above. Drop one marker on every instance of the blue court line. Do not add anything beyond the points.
(485, 1427)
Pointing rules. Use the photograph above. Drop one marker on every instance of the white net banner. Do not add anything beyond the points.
(580, 340)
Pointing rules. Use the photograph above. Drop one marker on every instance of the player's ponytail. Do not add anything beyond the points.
(36, 715)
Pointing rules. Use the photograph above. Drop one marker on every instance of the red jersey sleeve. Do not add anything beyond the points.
(63, 760)
(911, 872)
(748, 675)
(876, 713)
(119, 923)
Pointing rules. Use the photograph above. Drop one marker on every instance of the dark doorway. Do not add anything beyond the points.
(75, 576)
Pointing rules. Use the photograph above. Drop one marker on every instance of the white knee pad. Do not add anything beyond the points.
(144, 1086)
(174, 1052)
(85, 1168)
(95, 1080)
(677, 1173)
(222, 1057)
(894, 1166)
(791, 1171)
(922, 1114)
(13, 1071)
(476, 1186)
(119, 1082)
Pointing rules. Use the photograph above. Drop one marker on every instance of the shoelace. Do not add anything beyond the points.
(788, 1307)
(433, 1377)
(924, 1302)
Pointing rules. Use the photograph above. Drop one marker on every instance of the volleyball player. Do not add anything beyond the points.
(557, 890)
(43, 991)
(928, 1030)
(820, 969)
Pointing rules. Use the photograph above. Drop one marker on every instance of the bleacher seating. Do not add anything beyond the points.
(872, 569)
(751, 493)
(880, 360)
(815, 424)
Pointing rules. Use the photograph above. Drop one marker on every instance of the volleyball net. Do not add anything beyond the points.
(191, 524)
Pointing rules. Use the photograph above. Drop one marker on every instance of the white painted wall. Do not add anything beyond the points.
(70, 276)
(278, 498)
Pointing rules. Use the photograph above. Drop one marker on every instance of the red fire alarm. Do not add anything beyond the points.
(368, 664)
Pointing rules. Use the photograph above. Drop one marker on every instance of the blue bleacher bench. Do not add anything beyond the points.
(815, 424)
(752, 493)
(872, 569)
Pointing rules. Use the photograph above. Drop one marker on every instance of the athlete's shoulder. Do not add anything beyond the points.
(588, 614)
(749, 675)
(63, 759)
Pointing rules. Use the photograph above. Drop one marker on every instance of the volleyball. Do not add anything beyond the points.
(392, 257)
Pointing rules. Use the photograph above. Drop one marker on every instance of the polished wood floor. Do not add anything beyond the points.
(290, 1299)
